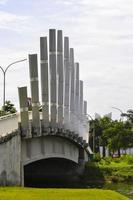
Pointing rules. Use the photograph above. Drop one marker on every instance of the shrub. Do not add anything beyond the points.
(129, 159)
(97, 157)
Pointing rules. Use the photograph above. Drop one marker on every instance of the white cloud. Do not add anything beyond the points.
(12, 21)
(3, 2)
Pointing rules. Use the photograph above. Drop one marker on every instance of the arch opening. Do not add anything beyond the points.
(51, 172)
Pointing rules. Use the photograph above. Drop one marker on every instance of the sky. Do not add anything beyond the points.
(101, 33)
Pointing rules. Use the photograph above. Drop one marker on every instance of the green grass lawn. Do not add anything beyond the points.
(17, 193)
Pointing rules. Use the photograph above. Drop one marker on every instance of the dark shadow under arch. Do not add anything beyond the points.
(51, 172)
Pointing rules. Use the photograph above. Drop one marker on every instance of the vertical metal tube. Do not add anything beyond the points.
(53, 77)
(77, 97)
(81, 107)
(4, 88)
(81, 98)
(86, 124)
(85, 108)
(33, 68)
(24, 111)
(67, 83)
(60, 70)
(44, 81)
(3, 71)
(72, 89)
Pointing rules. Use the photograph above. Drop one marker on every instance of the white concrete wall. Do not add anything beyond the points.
(8, 123)
(10, 162)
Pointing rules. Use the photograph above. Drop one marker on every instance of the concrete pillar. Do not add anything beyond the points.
(53, 77)
(60, 70)
(77, 97)
(33, 68)
(44, 81)
(86, 124)
(72, 89)
(81, 108)
(85, 108)
(67, 83)
(81, 98)
(24, 111)
(81, 160)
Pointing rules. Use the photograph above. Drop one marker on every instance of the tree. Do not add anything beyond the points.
(129, 115)
(95, 131)
(98, 126)
(115, 135)
(9, 108)
(119, 136)
(2, 113)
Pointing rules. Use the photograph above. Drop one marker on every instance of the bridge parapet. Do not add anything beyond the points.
(8, 124)
(59, 132)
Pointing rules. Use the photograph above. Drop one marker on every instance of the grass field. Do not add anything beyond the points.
(17, 193)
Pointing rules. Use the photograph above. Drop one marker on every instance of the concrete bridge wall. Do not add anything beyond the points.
(48, 147)
(8, 123)
(17, 153)
(43, 148)
(10, 160)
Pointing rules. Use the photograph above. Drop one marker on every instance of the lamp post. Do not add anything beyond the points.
(4, 77)
(93, 133)
(121, 118)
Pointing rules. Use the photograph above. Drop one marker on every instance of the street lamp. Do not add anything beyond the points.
(93, 133)
(120, 112)
(4, 77)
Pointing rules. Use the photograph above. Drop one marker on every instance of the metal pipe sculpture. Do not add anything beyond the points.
(33, 68)
(53, 77)
(60, 71)
(44, 81)
(24, 111)
(67, 83)
(63, 107)
(72, 82)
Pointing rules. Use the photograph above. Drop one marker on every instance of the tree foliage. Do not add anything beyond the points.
(8, 108)
(129, 115)
(115, 135)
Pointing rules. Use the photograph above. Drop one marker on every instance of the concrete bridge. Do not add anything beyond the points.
(51, 140)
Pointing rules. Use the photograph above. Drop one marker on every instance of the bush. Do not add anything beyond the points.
(117, 160)
(2, 113)
(92, 172)
(126, 158)
(129, 159)
(7, 109)
(105, 161)
(97, 157)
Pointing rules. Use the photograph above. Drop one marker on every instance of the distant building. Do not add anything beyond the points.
(109, 115)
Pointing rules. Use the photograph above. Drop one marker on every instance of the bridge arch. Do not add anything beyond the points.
(38, 148)
(49, 161)
(50, 172)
